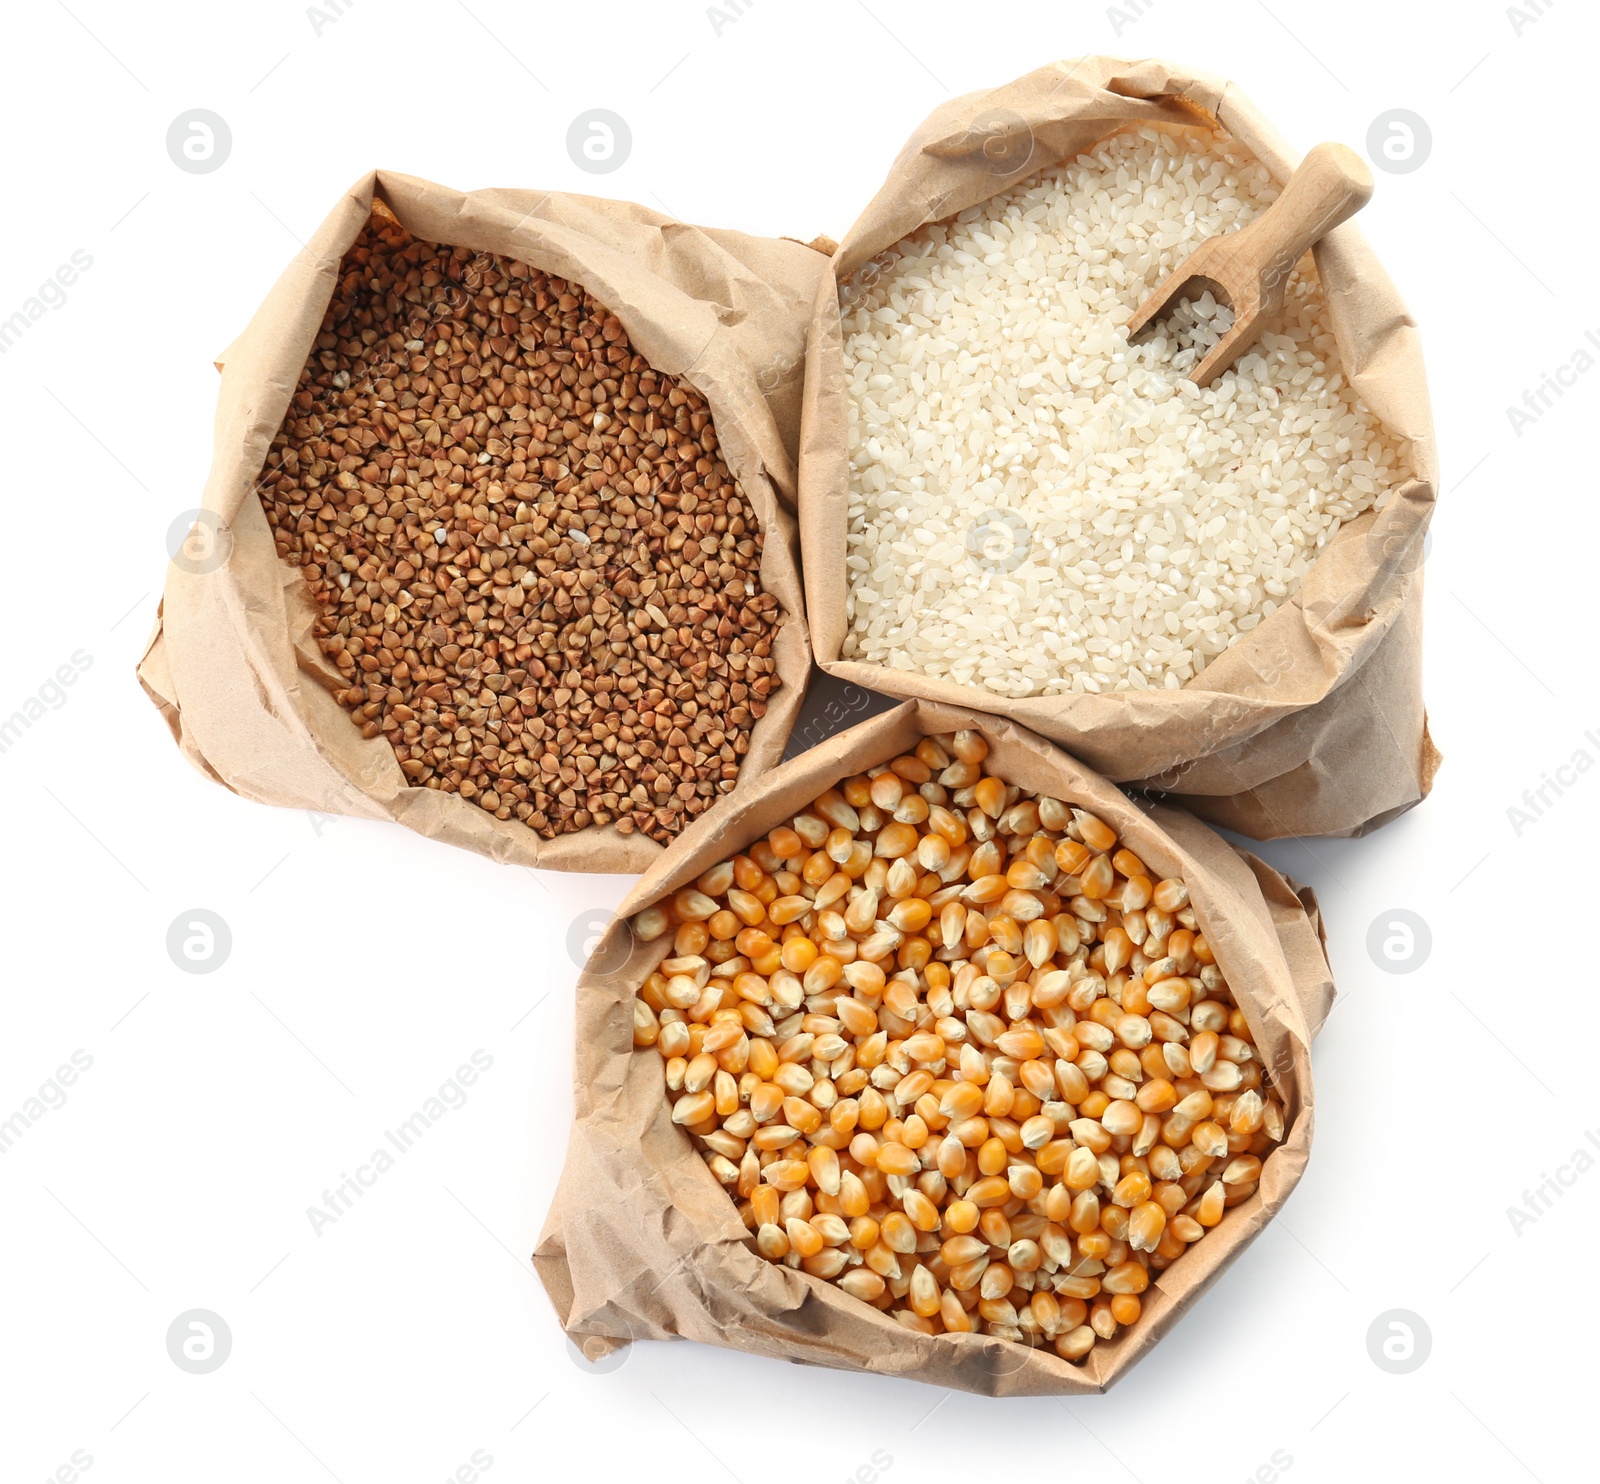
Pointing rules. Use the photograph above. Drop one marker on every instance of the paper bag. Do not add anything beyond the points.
(233, 665)
(1313, 722)
(643, 1243)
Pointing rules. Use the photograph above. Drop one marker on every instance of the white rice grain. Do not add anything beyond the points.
(1037, 507)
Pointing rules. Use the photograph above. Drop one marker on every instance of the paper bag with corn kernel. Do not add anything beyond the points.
(234, 663)
(1313, 722)
(643, 1242)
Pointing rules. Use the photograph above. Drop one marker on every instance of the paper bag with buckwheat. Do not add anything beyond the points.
(495, 542)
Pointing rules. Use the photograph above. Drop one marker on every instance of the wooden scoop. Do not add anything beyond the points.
(1249, 269)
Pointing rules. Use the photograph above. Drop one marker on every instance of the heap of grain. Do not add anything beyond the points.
(534, 574)
(1038, 507)
(957, 1049)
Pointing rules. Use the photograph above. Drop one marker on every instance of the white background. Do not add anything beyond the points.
(368, 963)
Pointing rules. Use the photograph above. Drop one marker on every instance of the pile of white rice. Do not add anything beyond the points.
(1038, 507)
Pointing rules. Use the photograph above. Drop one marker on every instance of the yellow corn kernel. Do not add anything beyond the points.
(1132, 1189)
(1171, 895)
(787, 1174)
(923, 1295)
(1024, 1181)
(1095, 1245)
(804, 1238)
(920, 1211)
(1075, 1343)
(1146, 1223)
(992, 1156)
(1209, 1210)
(898, 1233)
(962, 1216)
(772, 1243)
(1126, 1277)
(1245, 1170)
(862, 1283)
(825, 1169)
(989, 794)
(953, 1316)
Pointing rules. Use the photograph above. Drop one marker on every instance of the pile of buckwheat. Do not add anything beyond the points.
(534, 573)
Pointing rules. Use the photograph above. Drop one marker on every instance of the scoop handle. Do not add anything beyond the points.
(1329, 186)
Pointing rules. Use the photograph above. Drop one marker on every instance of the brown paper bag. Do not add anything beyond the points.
(643, 1243)
(1313, 722)
(232, 664)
